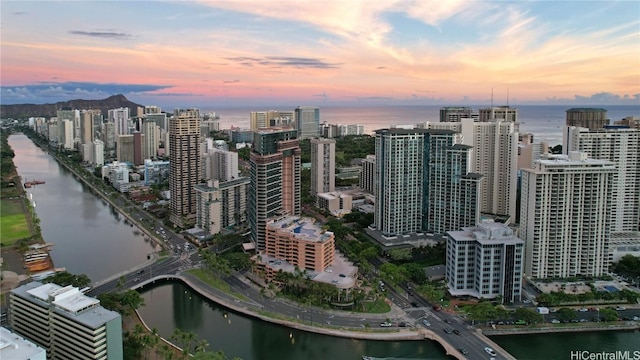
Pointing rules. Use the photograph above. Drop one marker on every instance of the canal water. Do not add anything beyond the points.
(91, 238)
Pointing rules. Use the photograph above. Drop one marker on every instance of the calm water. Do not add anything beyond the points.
(251, 339)
(545, 122)
(89, 236)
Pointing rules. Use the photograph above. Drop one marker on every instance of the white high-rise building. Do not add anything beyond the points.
(68, 324)
(151, 132)
(485, 261)
(220, 165)
(323, 166)
(621, 146)
(97, 152)
(565, 216)
(66, 133)
(121, 118)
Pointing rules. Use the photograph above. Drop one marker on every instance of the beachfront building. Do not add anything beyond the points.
(65, 322)
(275, 179)
(565, 217)
(456, 113)
(485, 261)
(590, 118)
(270, 118)
(307, 120)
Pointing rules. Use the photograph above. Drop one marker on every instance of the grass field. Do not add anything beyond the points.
(13, 224)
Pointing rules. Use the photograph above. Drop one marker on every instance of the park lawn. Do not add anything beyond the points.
(13, 224)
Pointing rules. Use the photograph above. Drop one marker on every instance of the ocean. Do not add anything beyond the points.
(544, 121)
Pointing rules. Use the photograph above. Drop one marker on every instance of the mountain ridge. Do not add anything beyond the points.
(17, 111)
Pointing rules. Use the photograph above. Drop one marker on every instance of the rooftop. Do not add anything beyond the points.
(303, 228)
(67, 301)
(14, 346)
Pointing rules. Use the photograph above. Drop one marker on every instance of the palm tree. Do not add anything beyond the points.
(202, 346)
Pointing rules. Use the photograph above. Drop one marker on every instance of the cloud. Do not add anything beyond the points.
(230, 81)
(52, 92)
(285, 61)
(102, 34)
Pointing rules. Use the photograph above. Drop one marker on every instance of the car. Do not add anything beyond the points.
(621, 308)
(385, 324)
(555, 321)
(140, 271)
(447, 330)
(456, 331)
(414, 304)
(490, 351)
(583, 310)
(426, 323)
(463, 351)
(583, 320)
(447, 321)
(402, 324)
(136, 279)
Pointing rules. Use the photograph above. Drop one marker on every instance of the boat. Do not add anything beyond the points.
(365, 357)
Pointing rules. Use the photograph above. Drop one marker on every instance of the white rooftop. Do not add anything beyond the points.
(15, 347)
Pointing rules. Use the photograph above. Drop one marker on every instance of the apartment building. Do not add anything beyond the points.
(565, 217)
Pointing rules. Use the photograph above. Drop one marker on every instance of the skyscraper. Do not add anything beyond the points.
(307, 121)
(323, 165)
(270, 118)
(121, 118)
(622, 147)
(498, 112)
(275, 179)
(455, 113)
(565, 217)
(151, 133)
(422, 183)
(494, 156)
(184, 159)
(590, 118)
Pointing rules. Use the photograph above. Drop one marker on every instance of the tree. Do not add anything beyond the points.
(566, 314)
(64, 278)
(528, 315)
(608, 315)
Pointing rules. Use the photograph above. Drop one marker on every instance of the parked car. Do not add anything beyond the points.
(555, 321)
(385, 324)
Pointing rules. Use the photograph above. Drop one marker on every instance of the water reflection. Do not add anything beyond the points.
(247, 338)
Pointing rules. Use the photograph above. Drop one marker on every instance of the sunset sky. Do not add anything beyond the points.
(294, 52)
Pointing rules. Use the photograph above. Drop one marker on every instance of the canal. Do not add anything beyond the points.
(92, 238)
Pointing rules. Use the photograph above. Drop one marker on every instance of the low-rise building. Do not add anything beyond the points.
(337, 203)
(14, 347)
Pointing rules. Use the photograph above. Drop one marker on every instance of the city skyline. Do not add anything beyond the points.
(201, 53)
